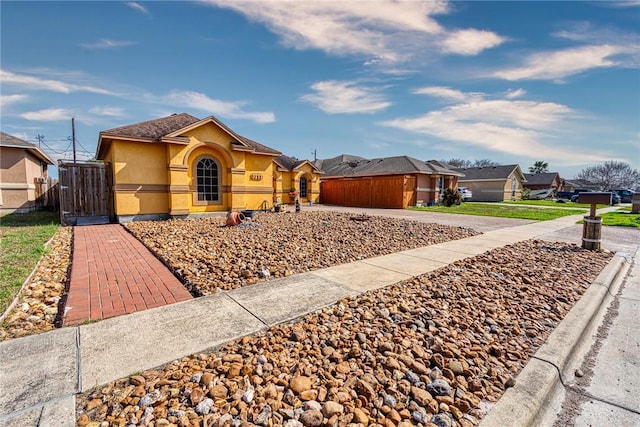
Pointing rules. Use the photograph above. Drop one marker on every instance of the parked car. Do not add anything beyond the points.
(615, 198)
(624, 194)
(540, 194)
(576, 193)
(465, 193)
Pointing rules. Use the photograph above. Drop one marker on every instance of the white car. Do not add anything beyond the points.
(465, 193)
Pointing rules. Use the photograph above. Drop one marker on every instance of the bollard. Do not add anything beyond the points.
(298, 205)
(592, 228)
(592, 233)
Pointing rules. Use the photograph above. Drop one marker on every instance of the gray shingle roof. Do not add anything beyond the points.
(154, 129)
(158, 128)
(7, 140)
(488, 172)
(346, 165)
(544, 178)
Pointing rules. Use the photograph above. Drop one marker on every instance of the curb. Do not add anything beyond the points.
(531, 401)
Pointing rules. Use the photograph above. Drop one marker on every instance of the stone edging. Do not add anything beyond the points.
(530, 402)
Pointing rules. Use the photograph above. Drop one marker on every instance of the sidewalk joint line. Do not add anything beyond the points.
(246, 309)
(364, 261)
(582, 392)
(78, 362)
(41, 406)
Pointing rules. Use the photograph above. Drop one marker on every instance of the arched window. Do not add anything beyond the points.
(303, 187)
(207, 179)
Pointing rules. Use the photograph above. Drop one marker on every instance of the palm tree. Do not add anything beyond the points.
(539, 167)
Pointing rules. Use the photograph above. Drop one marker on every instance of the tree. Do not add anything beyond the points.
(611, 174)
(539, 167)
(483, 163)
(458, 163)
(478, 163)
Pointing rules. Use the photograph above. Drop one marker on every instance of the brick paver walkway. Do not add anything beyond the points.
(112, 274)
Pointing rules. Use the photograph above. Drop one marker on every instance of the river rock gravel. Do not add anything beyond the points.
(430, 351)
(39, 300)
(208, 256)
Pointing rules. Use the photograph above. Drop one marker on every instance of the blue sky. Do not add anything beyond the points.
(513, 82)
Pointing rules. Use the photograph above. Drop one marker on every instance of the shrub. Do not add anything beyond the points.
(451, 196)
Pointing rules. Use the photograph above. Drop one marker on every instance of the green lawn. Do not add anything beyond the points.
(22, 239)
(621, 218)
(504, 211)
(552, 203)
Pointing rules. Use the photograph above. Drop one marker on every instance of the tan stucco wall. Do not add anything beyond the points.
(493, 191)
(18, 171)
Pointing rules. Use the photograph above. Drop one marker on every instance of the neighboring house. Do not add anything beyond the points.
(301, 176)
(23, 170)
(543, 181)
(493, 183)
(579, 183)
(389, 182)
(179, 166)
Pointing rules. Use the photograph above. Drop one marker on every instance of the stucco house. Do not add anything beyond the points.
(388, 182)
(493, 183)
(180, 166)
(23, 170)
(543, 181)
(295, 178)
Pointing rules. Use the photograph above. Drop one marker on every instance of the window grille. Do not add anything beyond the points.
(207, 177)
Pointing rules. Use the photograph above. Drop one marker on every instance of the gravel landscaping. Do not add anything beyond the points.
(435, 350)
(36, 309)
(208, 256)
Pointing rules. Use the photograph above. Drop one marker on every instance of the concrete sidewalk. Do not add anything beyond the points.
(40, 375)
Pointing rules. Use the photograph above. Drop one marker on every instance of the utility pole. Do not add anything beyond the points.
(73, 137)
(315, 155)
(39, 138)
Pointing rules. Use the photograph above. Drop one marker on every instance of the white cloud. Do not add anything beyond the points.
(107, 111)
(390, 31)
(11, 99)
(107, 44)
(28, 82)
(340, 97)
(48, 115)
(442, 92)
(137, 6)
(233, 110)
(517, 93)
(559, 64)
(470, 41)
(516, 128)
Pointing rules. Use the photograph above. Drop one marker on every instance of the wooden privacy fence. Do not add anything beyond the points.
(46, 193)
(397, 191)
(85, 192)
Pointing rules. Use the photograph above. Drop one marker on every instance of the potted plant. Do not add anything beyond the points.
(293, 194)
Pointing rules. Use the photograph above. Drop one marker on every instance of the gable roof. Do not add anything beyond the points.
(496, 173)
(11, 141)
(542, 178)
(291, 163)
(345, 165)
(172, 127)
